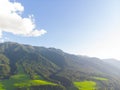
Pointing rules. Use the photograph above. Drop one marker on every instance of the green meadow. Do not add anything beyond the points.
(100, 78)
(1, 86)
(85, 85)
(33, 83)
(89, 85)
(21, 79)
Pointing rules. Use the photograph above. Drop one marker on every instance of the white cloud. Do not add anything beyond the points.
(11, 20)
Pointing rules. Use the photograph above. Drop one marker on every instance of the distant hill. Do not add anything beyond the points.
(26, 66)
(113, 62)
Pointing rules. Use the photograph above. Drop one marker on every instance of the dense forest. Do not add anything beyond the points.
(25, 67)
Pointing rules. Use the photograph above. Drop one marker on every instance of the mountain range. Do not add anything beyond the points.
(26, 67)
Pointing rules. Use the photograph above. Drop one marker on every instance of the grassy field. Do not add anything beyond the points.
(33, 83)
(85, 85)
(1, 86)
(21, 79)
(100, 78)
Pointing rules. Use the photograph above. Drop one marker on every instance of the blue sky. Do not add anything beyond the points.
(85, 27)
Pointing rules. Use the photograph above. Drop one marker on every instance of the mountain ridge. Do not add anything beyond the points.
(56, 66)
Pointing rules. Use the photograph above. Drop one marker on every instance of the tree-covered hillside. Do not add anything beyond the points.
(25, 67)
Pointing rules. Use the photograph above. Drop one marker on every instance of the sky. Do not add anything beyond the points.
(82, 27)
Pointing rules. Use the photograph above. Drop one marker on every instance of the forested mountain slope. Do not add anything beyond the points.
(40, 68)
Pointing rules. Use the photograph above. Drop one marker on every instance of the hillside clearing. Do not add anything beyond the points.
(85, 85)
